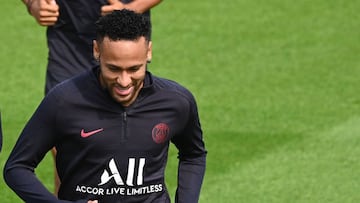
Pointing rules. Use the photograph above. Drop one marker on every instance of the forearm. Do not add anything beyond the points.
(190, 177)
(142, 6)
(25, 184)
(28, 4)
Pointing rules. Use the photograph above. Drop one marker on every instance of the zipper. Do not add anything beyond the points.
(124, 127)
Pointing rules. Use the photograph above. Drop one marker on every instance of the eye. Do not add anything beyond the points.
(134, 69)
(113, 68)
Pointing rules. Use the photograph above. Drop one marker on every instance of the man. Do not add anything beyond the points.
(112, 126)
(71, 31)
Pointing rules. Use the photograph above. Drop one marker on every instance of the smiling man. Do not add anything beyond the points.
(112, 127)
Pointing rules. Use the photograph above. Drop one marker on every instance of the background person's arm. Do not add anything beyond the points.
(139, 6)
(45, 12)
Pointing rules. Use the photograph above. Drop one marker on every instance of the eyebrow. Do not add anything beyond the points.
(123, 68)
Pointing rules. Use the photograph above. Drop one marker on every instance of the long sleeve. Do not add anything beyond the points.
(24, 182)
(35, 141)
(190, 177)
(192, 159)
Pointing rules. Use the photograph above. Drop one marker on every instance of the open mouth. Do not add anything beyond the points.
(123, 91)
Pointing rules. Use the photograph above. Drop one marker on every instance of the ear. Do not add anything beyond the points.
(149, 52)
(96, 51)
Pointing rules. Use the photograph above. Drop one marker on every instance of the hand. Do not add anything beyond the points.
(92, 201)
(113, 5)
(45, 12)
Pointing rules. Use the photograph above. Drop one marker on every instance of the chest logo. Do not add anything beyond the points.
(88, 134)
(160, 133)
(130, 179)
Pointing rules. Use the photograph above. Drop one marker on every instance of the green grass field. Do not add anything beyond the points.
(276, 81)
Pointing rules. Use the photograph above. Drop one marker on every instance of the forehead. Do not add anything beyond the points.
(122, 48)
(124, 53)
(107, 42)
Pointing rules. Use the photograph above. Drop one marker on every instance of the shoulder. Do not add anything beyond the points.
(73, 87)
(173, 95)
(172, 87)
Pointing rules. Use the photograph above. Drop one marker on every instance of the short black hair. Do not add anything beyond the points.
(123, 25)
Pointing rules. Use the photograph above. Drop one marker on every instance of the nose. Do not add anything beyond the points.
(123, 79)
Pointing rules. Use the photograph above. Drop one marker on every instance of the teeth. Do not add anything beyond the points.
(123, 91)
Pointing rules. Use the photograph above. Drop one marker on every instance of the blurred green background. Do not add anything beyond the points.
(276, 81)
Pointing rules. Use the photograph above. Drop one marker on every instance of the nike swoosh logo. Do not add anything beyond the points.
(88, 134)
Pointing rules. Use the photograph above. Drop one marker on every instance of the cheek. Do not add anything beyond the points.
(139, 76)
(109, 75)
(107, 78)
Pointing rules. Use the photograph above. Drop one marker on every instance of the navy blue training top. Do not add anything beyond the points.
(108, 152)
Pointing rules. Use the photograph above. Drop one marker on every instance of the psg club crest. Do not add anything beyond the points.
(160, 133)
